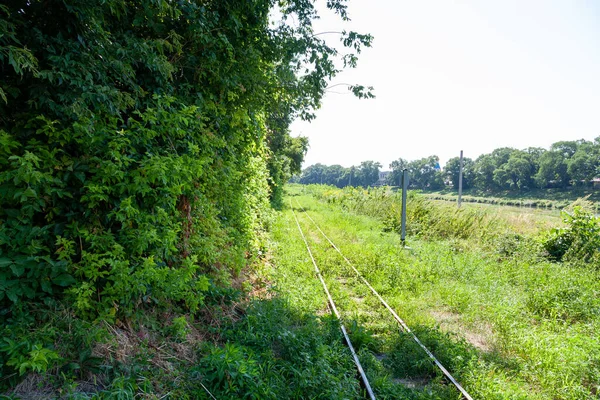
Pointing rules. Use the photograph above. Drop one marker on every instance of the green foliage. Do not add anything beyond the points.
(516, 172)
(275, 352)
(425, 173)
(552, 168)
(395, 177)
(423, 217)
(569, 298)
(408, 359)
(502, 201)
(452, 172)
(568, 164)
(366, 174)
(23, 356)
(140, 143)
(179, 327)
(531, 324)
(578, 242)
(233, 372)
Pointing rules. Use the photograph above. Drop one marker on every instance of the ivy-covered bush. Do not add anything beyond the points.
(141, 142)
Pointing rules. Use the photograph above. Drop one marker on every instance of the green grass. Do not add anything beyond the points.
(536, 198)
(508, 322)
(475, 286)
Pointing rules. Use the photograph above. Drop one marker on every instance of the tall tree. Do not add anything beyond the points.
(567, 148)
(483, 172)
(313, 174)
(397, 166)
(552, 170)
(425, 173)
(452, 172)
(583, 165)
(368, 173)
(516, 173)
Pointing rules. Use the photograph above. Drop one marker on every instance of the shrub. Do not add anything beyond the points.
(579, 241)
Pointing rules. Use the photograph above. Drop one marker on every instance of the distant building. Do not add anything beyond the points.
(383, 175)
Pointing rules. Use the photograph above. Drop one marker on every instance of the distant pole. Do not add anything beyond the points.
(460, 175)
(350, 179)
(404, 190)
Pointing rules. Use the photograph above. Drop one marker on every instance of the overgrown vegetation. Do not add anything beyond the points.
(140, 145)
(578, 241)
(424, 219)
(508, 319)
(502, 201)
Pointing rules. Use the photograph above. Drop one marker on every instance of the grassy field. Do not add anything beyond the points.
(540, 199)
(522, 219)
(507, 322)
(555, 194)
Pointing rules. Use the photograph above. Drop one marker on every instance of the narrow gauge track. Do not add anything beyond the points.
(337, 314)
(403, 326)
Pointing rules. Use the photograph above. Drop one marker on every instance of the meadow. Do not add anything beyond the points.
(540, 199)
(478, 289)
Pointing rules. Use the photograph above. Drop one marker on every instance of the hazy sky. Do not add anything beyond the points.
(471, 75)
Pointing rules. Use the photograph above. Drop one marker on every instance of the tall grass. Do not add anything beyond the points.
(531, 323)
(424, 219)
(532, 203)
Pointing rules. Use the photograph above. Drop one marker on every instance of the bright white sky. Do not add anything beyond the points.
(463, 74)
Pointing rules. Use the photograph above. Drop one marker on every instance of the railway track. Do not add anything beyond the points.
(343, 283)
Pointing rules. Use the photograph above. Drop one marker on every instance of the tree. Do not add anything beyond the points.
(583, 165)
(501, 155)
(486, 165)
(452, 172)
(516, 173)
(567, 148)
(552, 170)
(425, 173)
(336, 175)
(483, 172)
(313, 174)
(534, 154)
(368, 173)
(397, 166)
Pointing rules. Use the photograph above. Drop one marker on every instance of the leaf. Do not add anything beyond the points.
(63, 280)
(17, 269)
(12, 294)
(5, 261)
(80, 175)
(46, 286)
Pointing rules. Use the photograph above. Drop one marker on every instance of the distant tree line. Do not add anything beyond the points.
(366, 174)
(566, 163)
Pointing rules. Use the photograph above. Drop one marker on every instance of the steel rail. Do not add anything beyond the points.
(335, 312)
(396, 317)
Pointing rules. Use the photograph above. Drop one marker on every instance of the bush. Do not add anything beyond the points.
(579, 241)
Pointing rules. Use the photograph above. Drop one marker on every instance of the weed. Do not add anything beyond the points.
(539, 318)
